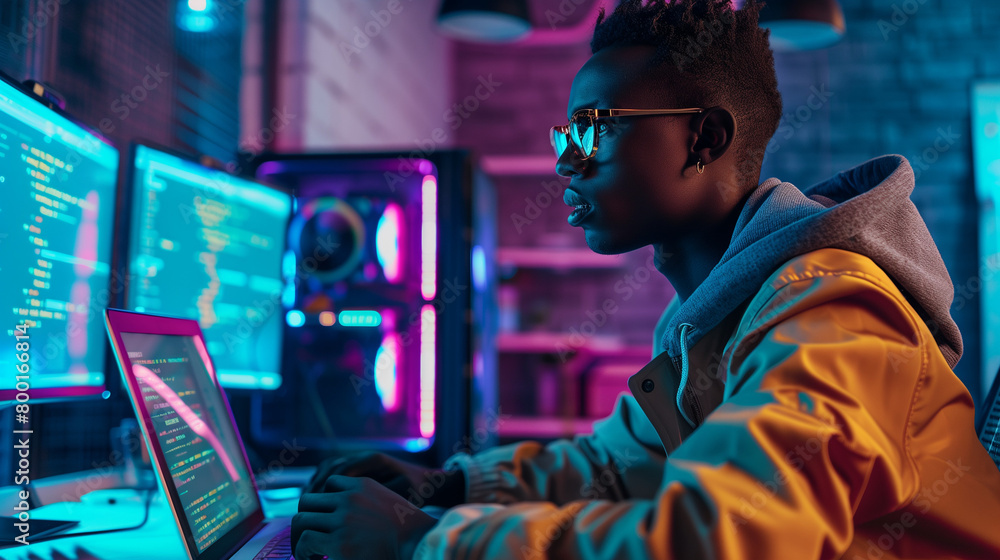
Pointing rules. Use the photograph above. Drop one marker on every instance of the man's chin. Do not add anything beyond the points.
(604, 245)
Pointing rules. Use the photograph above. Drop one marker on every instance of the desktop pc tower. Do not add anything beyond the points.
(389, 329)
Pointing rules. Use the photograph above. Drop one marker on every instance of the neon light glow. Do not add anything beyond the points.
(360, 318)
(195, 22)
(387, 242)
(428, 328)
(194, 16)
(428, 239)
(416, 444)
(295, 318)
(478, 268)
(386, 360)
(327, 318)
(249, 379)
(333, 208)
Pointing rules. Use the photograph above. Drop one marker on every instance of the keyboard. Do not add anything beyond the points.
(280, 546)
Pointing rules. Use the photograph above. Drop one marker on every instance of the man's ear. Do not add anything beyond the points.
(714, 131)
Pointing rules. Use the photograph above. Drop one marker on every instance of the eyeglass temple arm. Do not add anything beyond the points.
(641, 112)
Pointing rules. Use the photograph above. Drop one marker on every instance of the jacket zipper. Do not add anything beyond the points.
(683, 395)
(695, 407)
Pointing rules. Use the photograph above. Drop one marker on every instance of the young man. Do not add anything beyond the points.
(810, 340)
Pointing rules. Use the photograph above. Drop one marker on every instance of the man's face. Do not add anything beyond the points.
(635, 184)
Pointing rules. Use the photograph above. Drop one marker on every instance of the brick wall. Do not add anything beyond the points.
(362, 75)
(897, 83)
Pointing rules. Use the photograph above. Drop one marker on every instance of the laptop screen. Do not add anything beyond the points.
(192, 425)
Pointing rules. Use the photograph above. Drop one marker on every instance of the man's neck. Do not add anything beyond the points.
(687, 262)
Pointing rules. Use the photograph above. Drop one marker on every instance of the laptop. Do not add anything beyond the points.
(988, 423)
(192, 438)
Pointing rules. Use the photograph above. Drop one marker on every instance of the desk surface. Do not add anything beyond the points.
(109, 509)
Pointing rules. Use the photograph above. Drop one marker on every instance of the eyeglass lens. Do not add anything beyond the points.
(581, 133)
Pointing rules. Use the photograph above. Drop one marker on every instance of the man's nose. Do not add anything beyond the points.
(569, 163)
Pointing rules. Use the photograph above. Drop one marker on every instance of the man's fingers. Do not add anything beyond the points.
(325, 470)
(309, 546)
(339, 483)
(319, 502)
(304, 522)
(367, 465)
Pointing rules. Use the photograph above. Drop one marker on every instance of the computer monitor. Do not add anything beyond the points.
(985, 104)
(57, 200)
(206, 245)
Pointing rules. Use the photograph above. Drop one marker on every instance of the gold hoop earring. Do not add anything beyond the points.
(699, 167)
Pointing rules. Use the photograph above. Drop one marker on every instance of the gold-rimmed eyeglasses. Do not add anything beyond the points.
(582, 128)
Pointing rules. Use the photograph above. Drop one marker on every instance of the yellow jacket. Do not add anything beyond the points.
(829, 424)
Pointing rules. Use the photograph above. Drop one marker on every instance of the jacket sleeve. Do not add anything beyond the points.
(624, 448)
(621, 459)
(810, 441)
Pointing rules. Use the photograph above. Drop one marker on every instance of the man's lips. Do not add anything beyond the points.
(572, 198)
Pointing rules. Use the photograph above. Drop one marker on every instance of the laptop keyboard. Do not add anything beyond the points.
(280, 546)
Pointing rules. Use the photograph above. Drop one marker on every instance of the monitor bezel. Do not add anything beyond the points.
(119, 321)
(121, 262)
(53, 394)
(987, 405)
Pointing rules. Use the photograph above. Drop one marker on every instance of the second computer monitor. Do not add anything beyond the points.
(206, 245)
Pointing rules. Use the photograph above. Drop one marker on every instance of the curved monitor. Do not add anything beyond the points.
(206, 245)
(57, 200)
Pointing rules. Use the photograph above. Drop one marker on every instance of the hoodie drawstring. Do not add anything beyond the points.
(684, 372)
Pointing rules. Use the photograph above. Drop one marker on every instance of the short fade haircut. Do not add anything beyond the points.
(722, 55)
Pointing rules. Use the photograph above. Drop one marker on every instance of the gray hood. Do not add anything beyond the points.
(865, 210)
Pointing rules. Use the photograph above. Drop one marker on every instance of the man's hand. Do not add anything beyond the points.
(357, 518)
(438, 487)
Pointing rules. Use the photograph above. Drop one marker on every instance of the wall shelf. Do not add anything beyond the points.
(554, 342)
(556, 258)
(545, 427)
